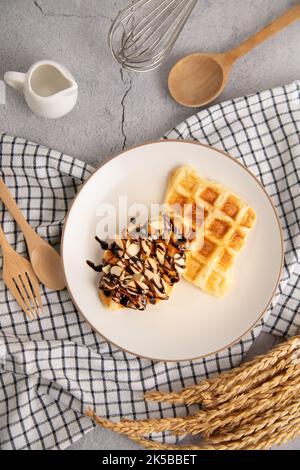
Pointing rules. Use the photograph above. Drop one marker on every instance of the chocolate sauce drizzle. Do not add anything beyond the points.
(92, 265)
(103, 243)
(98, 268)
(166, 270)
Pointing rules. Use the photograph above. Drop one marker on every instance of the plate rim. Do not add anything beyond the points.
(224, 153)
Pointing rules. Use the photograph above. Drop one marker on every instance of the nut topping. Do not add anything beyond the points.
(146, 247)
(149, 274)
(141, 271)
(106, 269)
(151, 264)
(136, 266)
(160, 252)
(142, 286)
(179, 262)
(133, 249)
(116, 271)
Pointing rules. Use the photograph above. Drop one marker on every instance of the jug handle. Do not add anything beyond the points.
(15, 79)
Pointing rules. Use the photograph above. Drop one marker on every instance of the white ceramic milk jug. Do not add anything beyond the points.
(49, 88)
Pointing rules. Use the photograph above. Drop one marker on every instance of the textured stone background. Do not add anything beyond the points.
(116, 109)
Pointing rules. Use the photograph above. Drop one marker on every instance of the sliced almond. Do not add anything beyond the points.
(149, 274)
(120, 263)
(151, 264)
(127, 279)
(159, 294)
(138, 277)
(146, 247)
(157, 280)
(131, 284)
(131, 225)
(160, 252)
(161, 257)
(179, 262)
(132, 288)
(106, 269)
(133, 249)
(106, 284)
(143, 286)
(136, 266)
(168, 264)
(116, 271)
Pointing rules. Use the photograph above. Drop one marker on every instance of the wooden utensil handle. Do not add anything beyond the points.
(11, 205)
(273, 28)
(3, 242)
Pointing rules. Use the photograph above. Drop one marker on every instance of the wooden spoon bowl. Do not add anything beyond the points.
(197, 79)
(46, 262)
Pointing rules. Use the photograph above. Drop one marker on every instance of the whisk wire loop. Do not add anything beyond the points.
(144, 33)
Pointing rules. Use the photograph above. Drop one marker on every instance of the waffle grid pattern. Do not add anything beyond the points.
(227, 221)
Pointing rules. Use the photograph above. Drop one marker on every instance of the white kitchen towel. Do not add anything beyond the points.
(55, 367)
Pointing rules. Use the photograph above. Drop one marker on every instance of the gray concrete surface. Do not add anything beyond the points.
(118, 109)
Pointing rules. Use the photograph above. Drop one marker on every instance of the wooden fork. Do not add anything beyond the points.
(20, 279)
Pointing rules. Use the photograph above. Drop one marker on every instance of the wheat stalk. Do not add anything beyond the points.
(253, 406)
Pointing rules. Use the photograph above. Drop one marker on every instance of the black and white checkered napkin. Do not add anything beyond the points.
(53, 368)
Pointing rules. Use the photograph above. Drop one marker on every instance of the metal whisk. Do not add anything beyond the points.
(144, 33)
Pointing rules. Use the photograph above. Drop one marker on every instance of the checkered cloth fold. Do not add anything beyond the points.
(53, 368)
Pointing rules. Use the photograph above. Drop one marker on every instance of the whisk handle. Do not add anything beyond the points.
(273, 28)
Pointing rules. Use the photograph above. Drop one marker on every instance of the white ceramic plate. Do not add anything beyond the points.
(191, 324)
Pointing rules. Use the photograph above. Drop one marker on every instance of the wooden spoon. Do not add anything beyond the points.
(45, 260)
(198, 78)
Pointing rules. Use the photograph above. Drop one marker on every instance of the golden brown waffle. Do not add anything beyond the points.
(227, 221)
